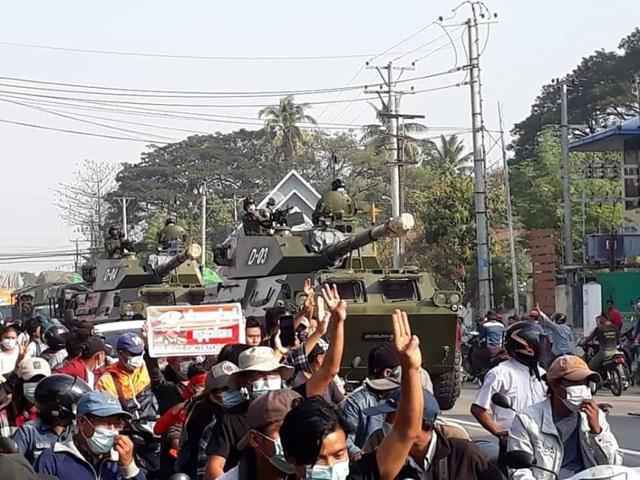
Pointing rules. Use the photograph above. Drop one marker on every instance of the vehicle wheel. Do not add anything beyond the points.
(615, 380)
(447, 387)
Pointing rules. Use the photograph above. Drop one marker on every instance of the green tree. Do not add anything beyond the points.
(448, 156)
(281, 124)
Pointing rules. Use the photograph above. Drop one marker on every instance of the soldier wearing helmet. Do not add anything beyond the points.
(172, 236)
(254, 221)
(518, 378)
(112, 242)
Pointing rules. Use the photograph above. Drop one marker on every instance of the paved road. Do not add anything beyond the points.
(625, 427)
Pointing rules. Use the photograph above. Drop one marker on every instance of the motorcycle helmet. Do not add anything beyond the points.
(55, 336)
(56, 397)
(522, 341)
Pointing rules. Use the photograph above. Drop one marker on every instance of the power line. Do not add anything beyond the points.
(112, 91)
(78, 132)
(193, 57)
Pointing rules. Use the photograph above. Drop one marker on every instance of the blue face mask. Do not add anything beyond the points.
(231, 398)
(263, 386)
(29, 391)
(102, 440)
(337, 471)
(278, 459)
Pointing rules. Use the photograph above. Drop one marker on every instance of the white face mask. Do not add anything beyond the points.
(135, 362)
(9, 343)
(575, 395)
(337, 471)
(265, 385)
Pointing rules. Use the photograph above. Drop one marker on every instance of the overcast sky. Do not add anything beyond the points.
(531, 43)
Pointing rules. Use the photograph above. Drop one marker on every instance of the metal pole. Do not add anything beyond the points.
(124, 217)
(235, 208)
(484, 280)
(566, 179)
(204, 224)
(393, 153)
(512, 241)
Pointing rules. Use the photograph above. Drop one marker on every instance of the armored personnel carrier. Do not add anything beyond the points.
(266, 269)
(121, 288)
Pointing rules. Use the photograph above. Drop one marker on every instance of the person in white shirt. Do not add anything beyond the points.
(9, 349)
(519, 378)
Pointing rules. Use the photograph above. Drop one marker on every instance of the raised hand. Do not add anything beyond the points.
(336, 306)
(407, 346)
(323, 324)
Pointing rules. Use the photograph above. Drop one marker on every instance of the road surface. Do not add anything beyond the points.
(626, 428)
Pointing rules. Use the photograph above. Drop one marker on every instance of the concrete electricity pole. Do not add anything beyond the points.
(393, 144)
(123, 201)
(566, 179)
(512, 241)
(479, 167)
(203, 192)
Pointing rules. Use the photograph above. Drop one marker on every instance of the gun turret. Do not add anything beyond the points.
(394, 227)
(191, 253)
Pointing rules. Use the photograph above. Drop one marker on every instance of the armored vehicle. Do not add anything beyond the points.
(121, 288)
(267, 269)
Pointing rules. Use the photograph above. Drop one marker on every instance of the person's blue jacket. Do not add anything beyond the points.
(66, 462)
(36, 436)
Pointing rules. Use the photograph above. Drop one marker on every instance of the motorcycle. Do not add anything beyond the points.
(628, 346)
(614, 370)
(519, 459)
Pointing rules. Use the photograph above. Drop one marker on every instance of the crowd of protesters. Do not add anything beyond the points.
(79, 409)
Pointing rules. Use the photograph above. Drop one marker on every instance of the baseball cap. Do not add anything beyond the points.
(100, 404)
(131, 343)
(32, 367)
(93, 345)
(430, 411)
(393, 379)
(572, 368)
(218, 376)
(262, 359)
(269, 408)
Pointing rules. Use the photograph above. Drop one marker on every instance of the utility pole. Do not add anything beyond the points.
(203, 192)
(393, 145)
(566, 181)
(512, 241)
(479, 167)
(123, 201)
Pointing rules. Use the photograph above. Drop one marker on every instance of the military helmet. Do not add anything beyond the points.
(337, 183)
(333, 204)
(113, 228)
(271, 202)
(246, 202)
(169, 221)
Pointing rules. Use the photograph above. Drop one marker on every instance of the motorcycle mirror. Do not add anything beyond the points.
(356, 362)
(518, 459)
(501, 400)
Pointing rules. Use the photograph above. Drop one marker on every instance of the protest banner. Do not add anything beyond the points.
(191, 330)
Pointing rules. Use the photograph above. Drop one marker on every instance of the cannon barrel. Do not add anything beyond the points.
(191, 253)
(394, 227)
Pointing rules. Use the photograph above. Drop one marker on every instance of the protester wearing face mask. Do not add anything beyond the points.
(55, 397)
(259, 373)
(314, 433)
(9, 349)
(262, 453)
(29, 373)
(128, 380)
(96, 450)
(90, 362)
(569, 424)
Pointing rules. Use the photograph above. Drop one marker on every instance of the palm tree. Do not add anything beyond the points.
(376, 136)
(448, 156)
(281, 123)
